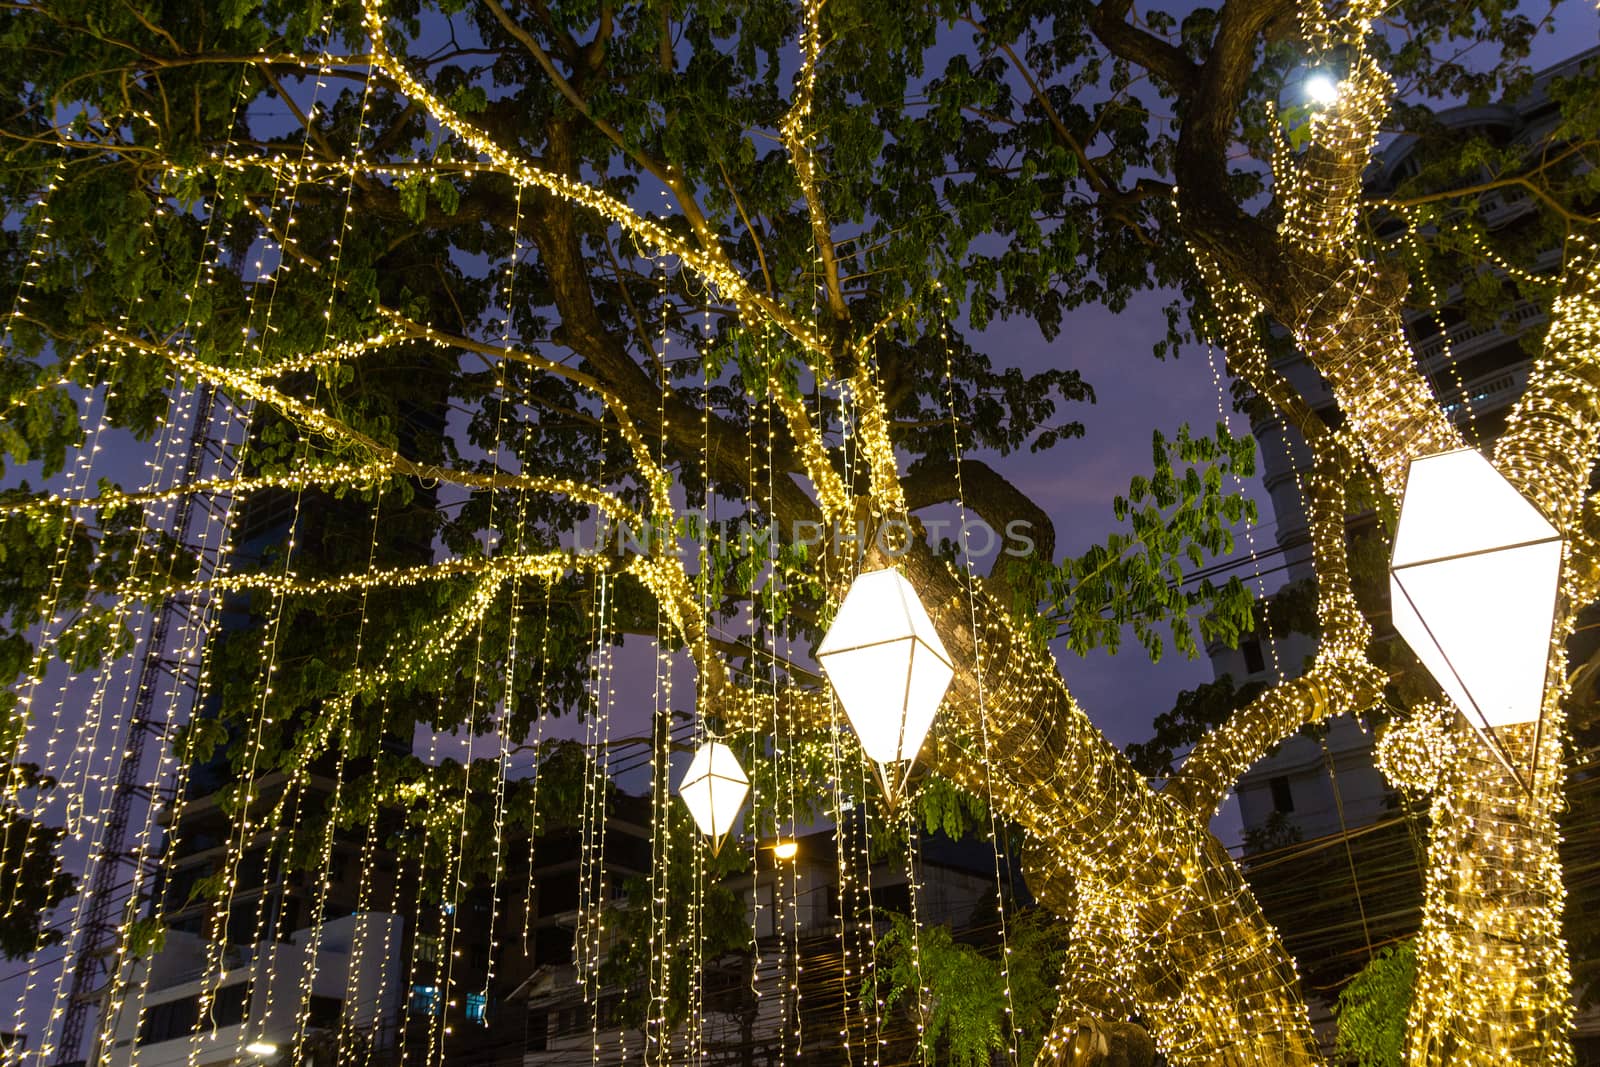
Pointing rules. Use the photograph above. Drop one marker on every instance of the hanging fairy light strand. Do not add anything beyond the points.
(996, 837)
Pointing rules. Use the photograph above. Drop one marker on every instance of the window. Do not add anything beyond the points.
(323, 1013)
(425, 1000)
(430, 949)
(478, 1009)
(538, 1029)
(229, 1005)
(558, 893)
(175, 1018)
(288, 918)
(1253, 660)
(553, 945)
(895, 898)
(1282, 795)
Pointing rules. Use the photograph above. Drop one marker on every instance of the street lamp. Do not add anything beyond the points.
(1472, 588)
(713, 789)
(888, 667)
(1321, 88)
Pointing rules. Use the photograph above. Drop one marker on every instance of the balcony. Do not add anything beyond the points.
(1487, 393)
(1465, 339)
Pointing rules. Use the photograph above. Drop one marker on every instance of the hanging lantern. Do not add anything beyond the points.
(889, 669)
(714, 788)
(1472, 587)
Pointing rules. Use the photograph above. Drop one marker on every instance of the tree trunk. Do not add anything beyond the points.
(1493, 981)
(1492, 975)
(1201, 965)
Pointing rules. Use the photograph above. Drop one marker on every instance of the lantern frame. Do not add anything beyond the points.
(710, 766)
(908, 624)
(1533, 532)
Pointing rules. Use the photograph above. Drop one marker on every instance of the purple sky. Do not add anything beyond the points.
(1075, 482)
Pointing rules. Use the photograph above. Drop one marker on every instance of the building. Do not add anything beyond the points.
(256, 1009)
(794, 994)
(302, 964)
(344, 960)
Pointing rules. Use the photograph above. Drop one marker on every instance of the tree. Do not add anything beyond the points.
(651, 271)
(35, 882)
(1372, 1008)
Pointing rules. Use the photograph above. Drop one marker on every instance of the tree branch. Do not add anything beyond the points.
(1161, 58)
(796, 136)
(991, 496)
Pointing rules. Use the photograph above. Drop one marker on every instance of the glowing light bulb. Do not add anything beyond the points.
(1321, 88)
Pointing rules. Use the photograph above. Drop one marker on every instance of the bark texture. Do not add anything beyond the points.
(1139, 873)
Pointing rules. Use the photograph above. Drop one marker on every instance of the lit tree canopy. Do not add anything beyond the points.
(479, 275)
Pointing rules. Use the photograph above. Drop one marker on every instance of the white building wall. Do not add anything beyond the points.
(1317, 790)
(355, 959)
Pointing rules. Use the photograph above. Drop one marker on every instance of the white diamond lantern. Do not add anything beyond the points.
(888, 666)
(714, 788)
(1472, 585)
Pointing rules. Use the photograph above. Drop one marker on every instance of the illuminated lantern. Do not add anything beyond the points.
(714, 788)
(888, 667)
(1472, 585)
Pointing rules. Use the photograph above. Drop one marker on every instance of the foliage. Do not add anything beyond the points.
(1276, 831)
(157, 145)
(950, 810)
(55, 560)
(646, 933)
(1196, 712)
(1372, 1008)
(1138, 578)
(963, 1008)
(36, 882)
(1290, 609)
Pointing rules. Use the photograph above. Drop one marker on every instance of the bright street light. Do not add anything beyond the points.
(1321, 88)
